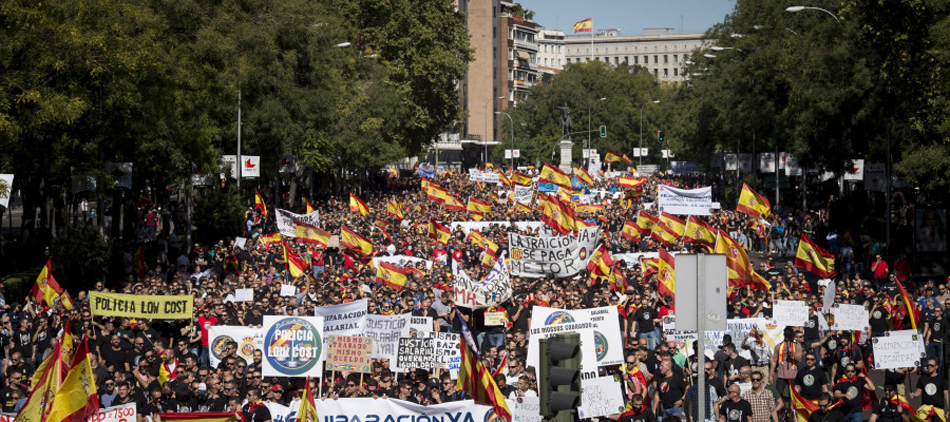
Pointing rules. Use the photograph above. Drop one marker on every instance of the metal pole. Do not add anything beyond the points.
(239, 143)
(776, 176)
(640, 152)
(700, 337)
(588, 133)
(887, 196)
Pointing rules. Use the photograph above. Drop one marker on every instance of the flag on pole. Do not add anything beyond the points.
(76, 399)
(476, 380)
(586, 25)
(629, 231)
(583, 176)
(737, 261)
(558, 216)
(44, 388)
(46, 289)
(390, 275)
(308, 409)
(453, 203)
(394, 209)
(439, 232)
(700, 233)
(556, 176)
(814, 259)
(802, 406)
(295, 264)
(665, 274)
(260, 205)
(358, 206)
(353, 241)
(612, 157)
(753, 204)
(311, 235)
(269, 239)
(759, 283)
(631, 182)
(645, 222)
(478, 206)
(520, 179)
(913, 313)
(600, 262)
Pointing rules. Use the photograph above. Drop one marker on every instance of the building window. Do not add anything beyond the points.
(626, 59)
(568, 60)
(676, 71)
(666, 73)
(666, 59)
(656, 72)
(656, 59)
(646, 59)
(636, 59)
(676, 58)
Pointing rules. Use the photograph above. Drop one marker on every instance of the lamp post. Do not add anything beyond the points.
(589, 106)
(639, 153)
(796, 9)
(485, 153)
(512, 121)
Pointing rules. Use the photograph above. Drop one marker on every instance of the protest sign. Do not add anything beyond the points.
(739, 329)
(523, 194)
(243, 295)
(496, 286)
(608, 342)
(345, 319)
(420, 326)
(910, 337)
(601, 397)
(121, 413)
(790, 313)
(494, 319)
(349, 353)
(892, 352)
(240, 242)
(669, 324)
(525, 409)
(850, 317)
(248, 340)
(556, 255)
(483, 176)
(828, 299)
(281, 413)
(416, 353)
(6, 189)
(386, 331)
(293, 346)
(288, 290)
(601, 341)
(447, 355)
(685, 201)
(286, 219)
(141, 306)
(369, 409)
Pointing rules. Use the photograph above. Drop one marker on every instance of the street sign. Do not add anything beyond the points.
(641, 152)
(667, 153)
(512, 152)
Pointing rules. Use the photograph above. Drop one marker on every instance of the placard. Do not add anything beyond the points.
(286, 219)
(496, 286)
(447, 352)
(601, 397)
(288, 290)
(850, 317)
(493, 319)
(240, 242)
(685, 201)
(386, 331)
(248, 340)
(420, 326)
(345, 318)
(523, 194)
(293, 346)
(908, 336)
(601, 341)
(349, 353)
(121, 413)
(828, 299)
(416, 353)
(141, 306)
(669, 324)
(243, 295)
(891, 352)
(525, 409)
(790, 313)
(556, 255)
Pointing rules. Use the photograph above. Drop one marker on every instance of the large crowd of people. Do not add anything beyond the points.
(165, 365)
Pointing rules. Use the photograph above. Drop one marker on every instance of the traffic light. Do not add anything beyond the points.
(559, 377)
(660, 135)
(603, 131)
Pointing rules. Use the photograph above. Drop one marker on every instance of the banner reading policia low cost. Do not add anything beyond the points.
(141, 306)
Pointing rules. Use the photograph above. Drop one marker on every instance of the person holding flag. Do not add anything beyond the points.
(826, 412)
(850, 391)
(932, 389)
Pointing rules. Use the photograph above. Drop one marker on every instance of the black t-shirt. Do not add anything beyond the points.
(932, 388)
(733, 365)
(257, 413)
(644, 319)
(736, 411)
(878, 319)
(7, 402)
(115, 358)
(810, 381)
(645, 415)
(811, 329)
(852, 391)
(833, 415)
(671, 390)
(887, 411)
(23, 343)
(938, 329)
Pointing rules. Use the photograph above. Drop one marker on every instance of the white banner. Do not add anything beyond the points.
(601, 341)
(559, 256)
(346, 319)
(792, 313)
(121, 413)
(856, 171)
(483, 176)
(386, 331)
(523, 194)
(851, 317)
(601, 397)
(402, 261)
(248, 339)
(892, 352)
(483, 225)
(471, 294)
(293, 346)
(739, 329)
(285, 221)
(372, 410)
(685, 201)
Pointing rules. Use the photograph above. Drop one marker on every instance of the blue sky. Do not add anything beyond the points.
(630, 16)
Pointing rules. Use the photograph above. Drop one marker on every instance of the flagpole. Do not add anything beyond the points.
(591, 56)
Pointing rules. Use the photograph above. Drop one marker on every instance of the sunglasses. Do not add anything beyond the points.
(756, 379)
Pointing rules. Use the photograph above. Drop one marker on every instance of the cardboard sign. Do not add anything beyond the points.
(349, 353)
(790, 313)
(447, 352)
(494, 319)
(601, 397)
(243, 295)
(288, 290)
(850, 317)
(416, 353)
(891, 352)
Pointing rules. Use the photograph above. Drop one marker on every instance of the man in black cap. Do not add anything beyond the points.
(888, 408)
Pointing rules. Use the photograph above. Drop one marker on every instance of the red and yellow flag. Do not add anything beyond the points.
(453, 203)
(913, 313)
(556, 176)
(260, 205)
(630, 231)
(478, 206)
(310, 208)
(390, 275)
(664, 234)
(802, 406)
(612, 157)
(699, 233)
(76, 399)
(645, 222)
(586, 25)
(674, 223)
(394, 208)
(631, 182)
(583, 176)
(436, 192)
(558, 216)
(753, 204)
(46, 289)
(269, 239)
(503, 178)
(600, 262)
(476, 380)
(520, 179)
(308, 409)
(296, 265)
(666, 274)
(759, 283)
(46, 382)
(649, 265)
(439, 232)
(311, 235)
(737, 261)
(519, 207)
(814, 259)
(358, 206)
(352, 240)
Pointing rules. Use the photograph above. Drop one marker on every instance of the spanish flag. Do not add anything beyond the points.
(814, 259)
(630, 182)
(675, 224)
(259, 204)
(269, 239)
(912, 311)
(583, 176)
(311, 235)
(76, 399)
(308, 410)
(453, 203)
(753, 204)
(645, 222)
(478, 206)
(383, 224)
(476, 380)
(627, 160)
(558, 216)
(699, 233)
(394, 208)
(436, 192)
(586, 25)
(46, 289)
(600, 262)
(295, 264)
(352, 240)
(649, 265)
(476, 237)
(556, 176)
(630, 231)
(737, 262)
(358, 206)
(503, 178)
(439, 232)
(66, 301)
(759, 283)
(665, 274)
(801, 406)
(664, 234)
(45, 384)
(612, 157)
(616, 281)
(390, 275)
(520, 179)
(310, 208)
(519, 207)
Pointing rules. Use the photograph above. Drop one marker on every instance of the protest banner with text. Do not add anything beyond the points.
(141, 306)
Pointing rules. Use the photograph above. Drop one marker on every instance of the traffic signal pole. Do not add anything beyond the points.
(559, 380)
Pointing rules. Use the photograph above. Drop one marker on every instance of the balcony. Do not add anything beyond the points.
(531, 45)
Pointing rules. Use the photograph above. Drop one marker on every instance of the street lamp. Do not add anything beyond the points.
(588, 129)
(709, 56)
(343, 44)
(485, 154)
(796, 9)
(640, 153)
(512, 121)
